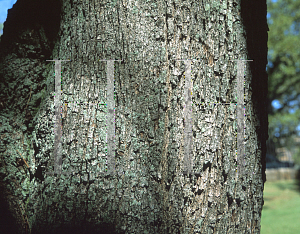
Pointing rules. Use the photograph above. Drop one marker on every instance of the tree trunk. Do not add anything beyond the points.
(170, 133)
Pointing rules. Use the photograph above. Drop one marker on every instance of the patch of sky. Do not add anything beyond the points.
(276, 104)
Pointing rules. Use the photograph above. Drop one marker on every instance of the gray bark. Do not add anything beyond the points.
(174, 151)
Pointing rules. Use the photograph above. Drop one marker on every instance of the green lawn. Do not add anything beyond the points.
(281, 211)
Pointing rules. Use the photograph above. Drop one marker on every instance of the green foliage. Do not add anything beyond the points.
(284, 74)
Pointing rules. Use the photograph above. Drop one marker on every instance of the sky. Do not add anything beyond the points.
(7, 4)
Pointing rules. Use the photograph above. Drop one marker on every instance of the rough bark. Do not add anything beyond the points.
(152, 195)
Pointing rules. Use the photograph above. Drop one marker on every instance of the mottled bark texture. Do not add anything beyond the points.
(152, 195)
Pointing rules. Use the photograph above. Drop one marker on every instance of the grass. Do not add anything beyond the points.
(281, 211)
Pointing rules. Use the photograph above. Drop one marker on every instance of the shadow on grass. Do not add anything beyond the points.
(298, 180)
(294, 186)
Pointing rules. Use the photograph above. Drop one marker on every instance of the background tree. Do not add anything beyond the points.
(1, 27)
(152, 195)
(284, 72)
